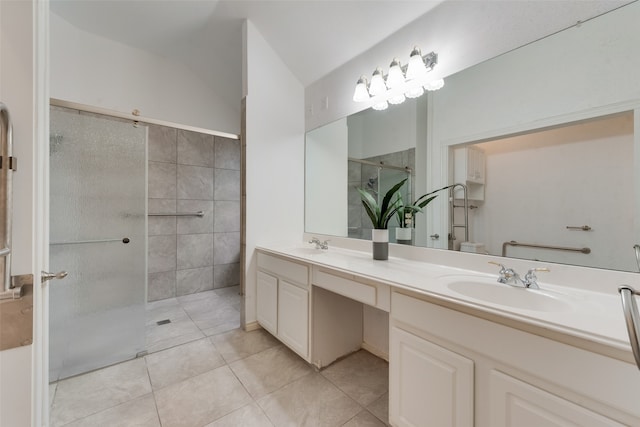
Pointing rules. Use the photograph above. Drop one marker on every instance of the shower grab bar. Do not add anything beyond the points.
(7, 166)
(5, 252)
(199, 213)
(124, 240)
(533, 245)
(630, 309)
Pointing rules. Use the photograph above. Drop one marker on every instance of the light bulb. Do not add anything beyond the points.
(416, 67)
(397, 99)
(379, 106)
(395, 77)
(434, 84)
(377, 86)
(361, 93)
(414, 92)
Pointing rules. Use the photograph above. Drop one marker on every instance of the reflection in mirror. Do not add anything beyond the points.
(544, 139)
(560, 195)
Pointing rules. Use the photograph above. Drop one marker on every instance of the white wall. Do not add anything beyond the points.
(17, 91)
(274, 154)
(326, 208)
(93, 70)
(538, 184)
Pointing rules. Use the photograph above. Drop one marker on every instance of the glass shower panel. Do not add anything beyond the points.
(98, 235)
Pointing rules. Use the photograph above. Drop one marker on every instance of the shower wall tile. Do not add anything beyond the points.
(161, 285)
(162, 225)
(227, 216)
(162, 180)
(195, 182)
(190, 172)
(195, 224)
(162, 144)
(227, 153)
(195, 250)
(162, 253)
(194, 280)
(227, 184)
(195, 149)
(226, 248)
(226, 275)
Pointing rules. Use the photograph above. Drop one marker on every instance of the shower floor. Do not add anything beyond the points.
(202, 370)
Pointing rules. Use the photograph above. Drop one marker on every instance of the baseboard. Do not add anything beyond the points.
(375, 351)
(252, 326)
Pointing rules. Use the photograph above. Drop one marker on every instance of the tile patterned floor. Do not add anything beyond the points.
(203, 371)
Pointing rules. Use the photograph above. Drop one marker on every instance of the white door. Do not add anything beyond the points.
(24, 89)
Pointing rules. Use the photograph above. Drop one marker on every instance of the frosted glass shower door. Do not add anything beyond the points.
(98, 235)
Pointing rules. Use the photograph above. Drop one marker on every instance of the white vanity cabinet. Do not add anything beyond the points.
(451, 368)
(282, 301)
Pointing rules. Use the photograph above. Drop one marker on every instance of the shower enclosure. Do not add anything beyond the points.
(98, 235)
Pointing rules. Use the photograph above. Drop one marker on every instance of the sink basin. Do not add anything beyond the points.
(491, 291)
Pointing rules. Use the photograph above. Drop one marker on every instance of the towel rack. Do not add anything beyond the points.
(630, 309)
(533, 245)
(199, 214)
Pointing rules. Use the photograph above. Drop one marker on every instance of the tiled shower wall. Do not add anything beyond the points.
(190, 172)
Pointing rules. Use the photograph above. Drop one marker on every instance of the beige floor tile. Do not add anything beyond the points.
(179, 331)
(238, 344)
(269, 370)
(206, 316)
(363, 376)
(140, 412)
(230, 294)
(201, 399)
(226, 326)
(249, 416)
(310, 401)
(364, 419)
(380, 408)
(96, 391)
(182, 362)
(175, 341)
(164, 309)
(198, 296)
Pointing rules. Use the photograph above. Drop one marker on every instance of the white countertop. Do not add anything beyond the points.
(588, 315)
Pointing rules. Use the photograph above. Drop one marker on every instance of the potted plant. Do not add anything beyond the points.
(380, 215)
(406, 214)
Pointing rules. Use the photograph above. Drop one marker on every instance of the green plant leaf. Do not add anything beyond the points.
(387, 198)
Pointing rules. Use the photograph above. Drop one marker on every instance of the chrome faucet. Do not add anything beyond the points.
(319, 245)
(509, 276)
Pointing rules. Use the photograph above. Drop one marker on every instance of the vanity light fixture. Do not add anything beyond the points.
(400, 83)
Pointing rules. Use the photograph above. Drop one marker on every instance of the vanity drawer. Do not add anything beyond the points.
(376, 295)
(292, 271)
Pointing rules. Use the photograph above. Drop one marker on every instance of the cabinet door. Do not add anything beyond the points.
(267, 302)
(429, 385)
(293, 317)
(515, 403)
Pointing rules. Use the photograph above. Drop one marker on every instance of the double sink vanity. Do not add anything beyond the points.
(463, 349)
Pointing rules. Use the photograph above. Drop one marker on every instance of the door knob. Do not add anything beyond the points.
(48, 276)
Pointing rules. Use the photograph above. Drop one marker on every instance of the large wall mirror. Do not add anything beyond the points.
(544, 139)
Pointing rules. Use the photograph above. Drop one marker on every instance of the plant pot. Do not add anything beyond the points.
(380, 239)
(403, 235)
